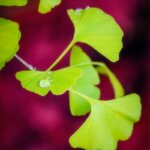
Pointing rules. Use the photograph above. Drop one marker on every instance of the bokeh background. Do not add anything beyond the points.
(31, 122)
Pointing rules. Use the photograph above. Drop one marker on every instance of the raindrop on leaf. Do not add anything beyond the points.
(87, 7)
(45, 83)
(78, 11)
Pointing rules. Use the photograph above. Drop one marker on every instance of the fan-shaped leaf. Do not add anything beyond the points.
(97, 29)
(9, 38)
(41, 83)
(108, 122)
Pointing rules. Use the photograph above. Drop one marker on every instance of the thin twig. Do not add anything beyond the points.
(27, 65)
(62, 55)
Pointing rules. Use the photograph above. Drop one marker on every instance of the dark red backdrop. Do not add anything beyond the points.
(31, 122)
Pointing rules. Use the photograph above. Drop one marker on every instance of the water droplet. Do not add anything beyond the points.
(47, 78)
(78, 11)
(87, 7)
(49, 72)
(45, 83)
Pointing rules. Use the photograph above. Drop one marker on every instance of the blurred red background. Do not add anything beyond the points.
(31, 122)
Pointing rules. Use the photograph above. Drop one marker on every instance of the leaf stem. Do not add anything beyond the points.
(22, 61)
(117, 86)
(90, 63)
(89, 99)
(61, 55)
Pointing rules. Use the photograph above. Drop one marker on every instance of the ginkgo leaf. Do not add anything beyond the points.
(41, 82)
(9, 38)
(85, 84)
(97, 29)
(64, 79)
(13, 2)
(45, 6)
(108, 122)
(117, 87)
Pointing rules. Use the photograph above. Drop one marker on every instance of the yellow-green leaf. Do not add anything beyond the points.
(108, 122)
(97, 29)
(9, 38)
(45, 6)
(41, 82)
(85, 84)
(13, 2)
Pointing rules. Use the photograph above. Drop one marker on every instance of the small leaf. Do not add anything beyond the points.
(13, 2)
(117, 87)
(97, 29)
(9, 38)
(41, 82)
(85, 84)
(108, 122)
(64, 79)
(45, 6)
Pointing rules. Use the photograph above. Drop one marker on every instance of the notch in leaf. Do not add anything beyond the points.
(108, 122)
(85, 84)
(9, 36)
(41, 82)
(45, 6)
(13, 2)
(97, 29)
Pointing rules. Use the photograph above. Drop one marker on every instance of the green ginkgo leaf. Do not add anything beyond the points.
(108, 122)
(85, 84)
(64, 79)
(97, 29)
(41, 82)
(9, 38)
(117, 87)
(45, 6)
(13, 2)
